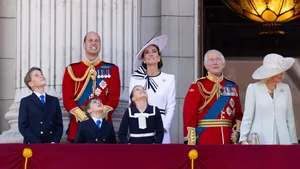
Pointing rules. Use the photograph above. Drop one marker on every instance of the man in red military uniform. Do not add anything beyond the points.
(89, 78)
(212, 111)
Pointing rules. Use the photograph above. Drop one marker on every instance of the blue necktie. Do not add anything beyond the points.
(98, 122)
(42, 97)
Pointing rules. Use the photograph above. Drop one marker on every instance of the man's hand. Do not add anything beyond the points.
(235, 137)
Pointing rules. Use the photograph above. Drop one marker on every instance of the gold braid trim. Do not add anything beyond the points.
(89, 73)
(211, 94)
(70, 71)
(238, 125)
(191, 136)
(83, 88)
(79, 114)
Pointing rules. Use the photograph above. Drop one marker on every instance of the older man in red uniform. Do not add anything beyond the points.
(212, 111)
(89, 78)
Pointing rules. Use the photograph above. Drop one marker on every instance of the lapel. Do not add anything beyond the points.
(48, 105)
(102, 131)
(92, 125)
(36, 101)
(34, 98)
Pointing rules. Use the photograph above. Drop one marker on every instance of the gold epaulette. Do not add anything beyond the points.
(106, 110)
(201, 78)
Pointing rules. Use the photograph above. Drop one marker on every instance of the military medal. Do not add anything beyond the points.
(108, 74)
(101, 74)
(225, 91)
(105, 74)
(98, 91)
(103, 84)
(234, 91)
(221, 91)
(98, 76)
(231, 102)
(228, 111)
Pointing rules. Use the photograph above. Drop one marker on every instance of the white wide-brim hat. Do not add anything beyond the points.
(159, 41)
(273, 64)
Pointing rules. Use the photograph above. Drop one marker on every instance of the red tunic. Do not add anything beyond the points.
(74, 85)
(230, 113)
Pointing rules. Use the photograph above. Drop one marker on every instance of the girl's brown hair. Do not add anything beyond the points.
(132, 103)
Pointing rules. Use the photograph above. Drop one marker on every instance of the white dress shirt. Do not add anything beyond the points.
(95, 120)
(39, 94)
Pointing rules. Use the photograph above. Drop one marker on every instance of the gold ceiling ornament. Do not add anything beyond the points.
(272, 13)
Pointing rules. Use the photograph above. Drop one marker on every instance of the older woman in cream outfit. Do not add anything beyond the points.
(268, 106)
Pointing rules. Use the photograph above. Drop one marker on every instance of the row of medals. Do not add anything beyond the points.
(104, 75)
(228, 91)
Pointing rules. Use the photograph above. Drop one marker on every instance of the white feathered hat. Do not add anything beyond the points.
(273, 64)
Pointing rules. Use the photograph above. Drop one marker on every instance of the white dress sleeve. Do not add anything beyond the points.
(171, 102)
(290, 117)
(248, 112)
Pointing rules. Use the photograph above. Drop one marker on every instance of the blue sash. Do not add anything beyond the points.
(105, 67)
(217, 107)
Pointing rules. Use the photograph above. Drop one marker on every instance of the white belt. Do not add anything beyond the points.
(142, 135)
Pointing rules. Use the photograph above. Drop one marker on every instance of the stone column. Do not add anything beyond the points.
(178, 23)
(50, 36)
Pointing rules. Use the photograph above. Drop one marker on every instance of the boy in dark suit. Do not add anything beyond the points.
(96, 129)
(40, 117)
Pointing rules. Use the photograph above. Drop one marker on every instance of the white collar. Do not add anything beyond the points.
(39, 94)
(95, 120)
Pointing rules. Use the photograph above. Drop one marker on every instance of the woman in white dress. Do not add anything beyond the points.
(268, 106)
(160, 86)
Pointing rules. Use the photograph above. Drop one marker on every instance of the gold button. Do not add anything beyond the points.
(41, 122)
(96, 139)
(223, 117)
(42, 132)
